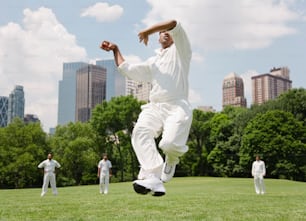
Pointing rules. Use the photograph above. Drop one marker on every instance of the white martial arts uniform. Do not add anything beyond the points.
(258, 172)
(49, 175)
(168, 111)
(104, 166)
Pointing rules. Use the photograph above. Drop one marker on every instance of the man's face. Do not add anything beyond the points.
(49, 156)
(165, 39)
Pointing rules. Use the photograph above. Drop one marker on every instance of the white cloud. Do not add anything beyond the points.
(103, 12)
(236, 24)
(32, 55)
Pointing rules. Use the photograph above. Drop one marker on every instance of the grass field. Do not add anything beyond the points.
(193, 198)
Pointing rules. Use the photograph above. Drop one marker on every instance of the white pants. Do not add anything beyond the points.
(104, 183)
(259, 184)
(173, 120)
(49, 178)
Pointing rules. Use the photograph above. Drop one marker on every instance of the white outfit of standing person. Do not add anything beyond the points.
(49, 166)
(168, 111)
(258, 172)
(104, 168)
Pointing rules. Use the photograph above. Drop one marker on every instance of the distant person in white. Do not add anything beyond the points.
(104, 172)
(258, 172)
(168, 113)
(49, 166)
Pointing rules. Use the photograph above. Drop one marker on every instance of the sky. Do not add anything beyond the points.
(247, 37)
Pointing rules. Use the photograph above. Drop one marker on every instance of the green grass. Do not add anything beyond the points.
(193, 198)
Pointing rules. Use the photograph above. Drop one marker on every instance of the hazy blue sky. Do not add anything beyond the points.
(248, 37)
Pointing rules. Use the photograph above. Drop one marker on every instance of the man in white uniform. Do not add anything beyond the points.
(258, 172)
(104, 172)
(168, 112)
(49, 166)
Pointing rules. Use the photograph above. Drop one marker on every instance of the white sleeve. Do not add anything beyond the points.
(264, 168)
(253, 169)
(57, 164)
(139, 72)
(42, 164)
(181, 41)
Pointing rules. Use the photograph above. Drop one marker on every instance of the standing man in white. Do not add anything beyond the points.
(168, 113)
(104, 172)
(258, 172)
(49, 166)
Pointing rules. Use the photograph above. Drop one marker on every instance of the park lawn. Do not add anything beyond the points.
(190, 198)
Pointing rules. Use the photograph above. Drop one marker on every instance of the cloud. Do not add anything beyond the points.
(32, 55)
(231, 24)
(103, 12)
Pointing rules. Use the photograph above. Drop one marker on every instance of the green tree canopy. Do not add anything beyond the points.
(22, 147)
(75, 148)
(294, 101)
(194, 162)
(280, 140)
(114, 122)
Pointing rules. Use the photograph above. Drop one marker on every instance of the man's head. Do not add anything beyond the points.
(165, 39)
(104, 156)
(50, 156)
(257, 157)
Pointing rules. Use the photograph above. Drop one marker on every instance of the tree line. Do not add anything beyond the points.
(220, 144)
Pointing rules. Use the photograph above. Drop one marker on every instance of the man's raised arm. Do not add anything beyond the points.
(108, 46)
(162, 26)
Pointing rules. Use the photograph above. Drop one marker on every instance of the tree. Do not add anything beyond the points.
(280, 140)
(114, 122)
(225, 139)
(294, 101)
(75, 148)
(21, 149)
(194, 163)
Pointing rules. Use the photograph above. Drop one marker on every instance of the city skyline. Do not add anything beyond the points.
(38, 37)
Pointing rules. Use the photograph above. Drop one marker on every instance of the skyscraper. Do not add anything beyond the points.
(67, 92)
(269, 86)
(115, 82)
(16, 104)
(91, 90)
(139, 90)
(3, 111)
(233, 91)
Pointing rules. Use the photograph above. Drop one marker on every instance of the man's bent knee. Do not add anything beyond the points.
(172, 149)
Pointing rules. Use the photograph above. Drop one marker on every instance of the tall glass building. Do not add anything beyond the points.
(67, 93)
(115, 82)
(16, 104)
(91, 90)
(3, 111)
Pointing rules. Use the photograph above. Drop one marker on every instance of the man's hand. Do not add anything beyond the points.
(143, 36)
(108, 46)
